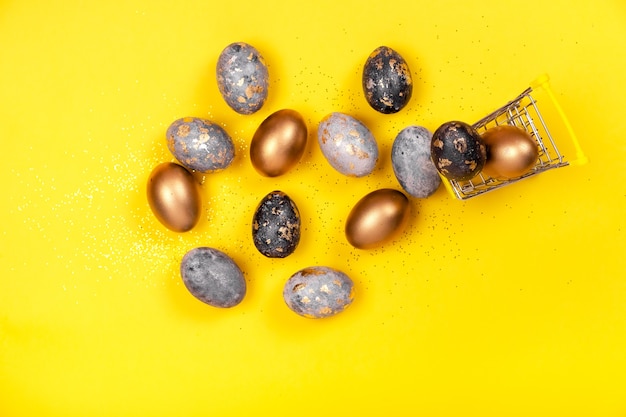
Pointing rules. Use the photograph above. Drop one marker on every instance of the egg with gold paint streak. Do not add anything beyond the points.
(200, 144)
(347, 144)
(242, 77)
(318, 291)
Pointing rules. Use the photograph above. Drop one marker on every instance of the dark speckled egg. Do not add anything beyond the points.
(276, 225)
(318, 291)
(213, 277)
(412, 164)
(242, 77)
(458, 151)
(347, 144)
(200, 144)
(387, 81)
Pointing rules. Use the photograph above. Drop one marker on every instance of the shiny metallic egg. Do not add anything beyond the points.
(279, 143)
(377, 218)
(174, 197)
(511, 152)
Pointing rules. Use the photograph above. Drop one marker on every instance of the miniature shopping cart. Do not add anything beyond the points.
(523, 112)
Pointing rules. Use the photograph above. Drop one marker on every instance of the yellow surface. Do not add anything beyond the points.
(509, 304)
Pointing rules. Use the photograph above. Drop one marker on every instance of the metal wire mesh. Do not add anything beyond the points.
(523, 113)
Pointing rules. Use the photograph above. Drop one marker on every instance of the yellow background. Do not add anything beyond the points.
(509, 304)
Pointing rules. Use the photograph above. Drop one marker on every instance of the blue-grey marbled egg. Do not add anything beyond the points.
(213, 277)
(200, 144)
(412, 164)
(387, 81)
(318, 291)
(242, 77)
(347, 144)
(276, 225)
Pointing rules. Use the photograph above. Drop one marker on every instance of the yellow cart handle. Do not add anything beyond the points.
(543, 82)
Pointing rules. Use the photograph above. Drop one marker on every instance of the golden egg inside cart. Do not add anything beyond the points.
(532, 110)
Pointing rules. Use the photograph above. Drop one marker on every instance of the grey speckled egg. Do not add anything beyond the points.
(213, 277)
(387, 81)
(242, 77)
(200, 144)
(347, 144)
(276, 225)
(412, 164)
(318, 291)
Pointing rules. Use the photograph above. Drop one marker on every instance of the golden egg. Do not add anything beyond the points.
(174, 197)
(377, 218)
(511, 152)
(279, 142)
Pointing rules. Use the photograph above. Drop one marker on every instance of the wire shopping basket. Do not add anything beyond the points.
(524, 112)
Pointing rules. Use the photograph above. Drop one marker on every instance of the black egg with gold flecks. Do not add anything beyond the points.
(458, 151)
(276, 225)
(387, 81)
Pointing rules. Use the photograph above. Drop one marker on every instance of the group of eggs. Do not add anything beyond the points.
(419, 158)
